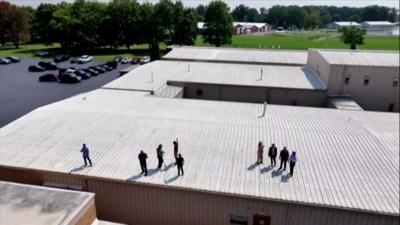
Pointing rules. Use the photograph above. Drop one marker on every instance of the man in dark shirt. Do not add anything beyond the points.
(85, 154)
(175, 143)
(272, 153)
(142, 159)
(284, 157)
(160, 154)
(179, 162)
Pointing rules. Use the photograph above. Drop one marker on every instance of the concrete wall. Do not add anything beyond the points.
(319, 65)
(140, 204)
(235, 93)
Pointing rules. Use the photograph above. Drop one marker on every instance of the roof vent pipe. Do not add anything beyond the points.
(265, 108)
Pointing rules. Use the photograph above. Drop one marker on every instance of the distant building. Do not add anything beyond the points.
(249, 28)
(339, 24)
(379, 27)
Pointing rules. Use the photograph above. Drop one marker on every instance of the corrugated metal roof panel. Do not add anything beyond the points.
(361, 58)
(260, 56)
(346, 159)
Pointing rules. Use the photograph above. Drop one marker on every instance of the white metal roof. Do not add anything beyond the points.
(153, 76)
(260, 56)
(346, 23)
(26, 204)
(378, 23)
(248, 24)
(361, 58)
(346, 159)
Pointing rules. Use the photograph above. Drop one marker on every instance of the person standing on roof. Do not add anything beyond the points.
(160, 154)
(272, 153)
(179, 162)
(175, 143)
(85, 154)
(284, 157)
(260, 151)
(292, 162)
(142, 159)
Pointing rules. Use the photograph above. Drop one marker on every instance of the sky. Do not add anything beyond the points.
(251, 3)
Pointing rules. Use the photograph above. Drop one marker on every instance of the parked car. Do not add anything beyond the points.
(73, 60)
(69, 78)
(82, 74)
(48, 65)
(144, 60)
(98, 69)
(14, 59)
(41, 53)
(60, 58)
(135, 61)
(118, 58)
(113, 64)
(4, 61)
(35, 68)
(92, 72)
(126, 60)
(84, 59)
(48, 78)
(107, 68)
(74, 68)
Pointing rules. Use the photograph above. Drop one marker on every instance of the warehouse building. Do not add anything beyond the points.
(335, 26)
(348, 160)
(371, 78)
(378, 27)
(26, 204)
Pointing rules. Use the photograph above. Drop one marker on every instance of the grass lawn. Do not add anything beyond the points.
(101, 54)
(306, 40)
(290, 40)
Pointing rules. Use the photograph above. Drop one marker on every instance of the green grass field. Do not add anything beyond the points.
(290, 40)
(303, 41)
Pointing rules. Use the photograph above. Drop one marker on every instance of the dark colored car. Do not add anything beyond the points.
(73, 60)
(98, 69)
(107, 68)
(74, 68)
(35, 68)
(135, 61)
(113, 64)
(48, 78)
(61, 58)
(82, 74)
(14, 59)
(4, 61)
(118, 58)
(69, 78)
(92, 72)
(48, 65)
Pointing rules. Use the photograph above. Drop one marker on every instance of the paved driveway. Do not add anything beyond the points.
(20, 91)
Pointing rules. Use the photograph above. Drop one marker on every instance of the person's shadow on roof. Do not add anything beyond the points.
(285, 178)
(135, 177)
(76, 169)
(266, 169)
(276, 173)
(168, 167)
(252, 166)
(170, 180)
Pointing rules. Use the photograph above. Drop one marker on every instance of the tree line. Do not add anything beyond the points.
(307, 17)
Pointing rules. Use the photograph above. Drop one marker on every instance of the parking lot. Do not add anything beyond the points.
(20, 91)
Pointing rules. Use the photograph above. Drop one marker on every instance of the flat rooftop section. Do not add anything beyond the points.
(26, 204)
(344, 103)
(346, 159)
(154, 75)
(238, 55)
(361, 58)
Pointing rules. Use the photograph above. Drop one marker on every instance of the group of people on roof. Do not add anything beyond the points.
(273, 153)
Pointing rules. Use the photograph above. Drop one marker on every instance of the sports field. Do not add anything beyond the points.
(289, 40)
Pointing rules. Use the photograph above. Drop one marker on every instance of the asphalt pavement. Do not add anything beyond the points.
(21, 92)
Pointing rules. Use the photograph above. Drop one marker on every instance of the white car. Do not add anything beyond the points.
(126, 60)
(85, 59)
(144, 60)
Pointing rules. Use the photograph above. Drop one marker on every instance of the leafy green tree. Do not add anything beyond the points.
(151, 29)
(40, 27)
(352, 36)
(4, 22)
(200, 11)
(123, 22)
(218, 23)
(185, 31)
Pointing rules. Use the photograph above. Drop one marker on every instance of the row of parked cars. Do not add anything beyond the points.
(9, 60)
(129, 60)
(75, 74)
